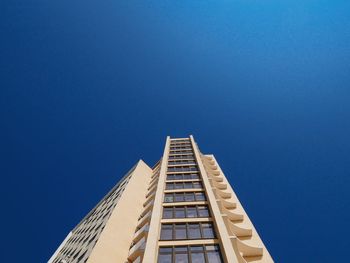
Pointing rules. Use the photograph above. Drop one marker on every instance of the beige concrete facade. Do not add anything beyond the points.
(114, 242)
(110, 224)
(181, 210)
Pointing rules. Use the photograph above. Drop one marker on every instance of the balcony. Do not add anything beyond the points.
(222, 194)
(227, 204)
(231, 215)
(221, 186)
(152, 183)
(149, 198)
(147, 208)
(217, 179)
(237, 229)
(137, 249)
(247, 250)
(145, 219)
(142, 232)
(151, 189)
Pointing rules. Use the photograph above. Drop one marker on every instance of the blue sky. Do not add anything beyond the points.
(89, 87)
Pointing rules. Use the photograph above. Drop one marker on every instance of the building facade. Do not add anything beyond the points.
(182, 210)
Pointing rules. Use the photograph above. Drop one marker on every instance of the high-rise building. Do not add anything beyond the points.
(182, 210)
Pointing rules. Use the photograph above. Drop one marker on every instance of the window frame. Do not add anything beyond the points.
(203, 249)
(171, 197)
(177, 210)
(182, 231)
(183, 185)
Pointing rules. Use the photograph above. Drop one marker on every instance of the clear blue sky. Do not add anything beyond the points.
(89, 87)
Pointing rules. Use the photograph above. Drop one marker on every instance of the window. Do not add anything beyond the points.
(180, 157)
(167, 212)
(196, 185)
(180, 212)
(181, 254)
(191, 211)
(180, 151)
(165, 255)
(188, 176)
(180, 147)
(213, 254)
(182, 168)
(178, 176)
(165, 258)
(179, 197)
(189, 197)
(183, 185)
(169, 198)
(199, 196)
(169, 186)
(194, 231)
(184, 197)
(170, 177)
(185, 211)
(203, 211)
(193, 254)
(208, 230)
(197, 254)
(167, 232)
(179, 231)
(187, 185)
(179, 161)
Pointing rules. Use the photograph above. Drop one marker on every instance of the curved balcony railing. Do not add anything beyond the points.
(232, 215)
(137, 249)
(141, 233)
(143, 220)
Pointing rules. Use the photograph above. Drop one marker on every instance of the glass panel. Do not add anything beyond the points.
(166, 232)
(212, 248)
(194, 231)
(165, 258)
(189, 197)
(208, 230)
(188, 185)
(203, 211)
(180, 231)
(214, 257)
(179, 197)
(165, 249)
(178, 186)
(213, 253)
(200, 196)
(191, 211)
(195, 176)
(196, 248)
(179, 212)
(167, 212)
(181, 254)
(178, 177)
(187, 176)
(168, 198)
(197, 185)
(170, 177)
(197, 257)
(181, 258)
(169, 186)
(180, 248)
(165, 255)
